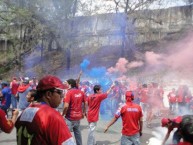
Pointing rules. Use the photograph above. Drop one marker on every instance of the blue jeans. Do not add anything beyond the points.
(130, 140)
(75, 127)
(13, 101)
(91, 136)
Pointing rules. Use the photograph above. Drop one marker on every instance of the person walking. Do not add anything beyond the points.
(14, 87)
(23, 90)
(93, 102)
(132, 120)
(40, 123)
(6, 97)
(74, 109)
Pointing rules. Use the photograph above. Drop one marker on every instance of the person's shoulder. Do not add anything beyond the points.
(136, 105)
(178, 119)
(45, 110)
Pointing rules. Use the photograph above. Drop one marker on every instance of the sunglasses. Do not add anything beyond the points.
(59, 92)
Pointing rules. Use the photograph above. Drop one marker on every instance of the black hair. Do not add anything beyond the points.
(186, 128)
(4, 84)
(144, 85)
(72, 82)
(41, 93)
(33, 93)
(96, 88)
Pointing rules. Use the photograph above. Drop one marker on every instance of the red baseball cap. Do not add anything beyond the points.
(164, 121)
(50, 82)
(129, 96)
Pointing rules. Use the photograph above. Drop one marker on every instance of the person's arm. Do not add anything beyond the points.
(15, 115)
(166, 137)
(86, 108)
(110, 89)
(66, 105)
(8, 125)
(10, 85)
(78, 79)
(141, 126)
(111, 123)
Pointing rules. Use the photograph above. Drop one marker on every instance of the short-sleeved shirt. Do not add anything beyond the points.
(144, 96)
(40, 124)
(94, 102)
(14, 87)
(172, 97)
(131, 115)
(75, 98)
(5, 125)
(6, 91)
(175, 123)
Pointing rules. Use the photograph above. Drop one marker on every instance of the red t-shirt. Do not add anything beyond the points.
(75, 98)
(40, 124)
(131, 114)
(5, 125)
(94, 102)
(184, 143)
(172, 97)
(176, 123)
(14, 86)
(144, 96)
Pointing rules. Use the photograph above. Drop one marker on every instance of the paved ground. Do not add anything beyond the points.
(112, 137)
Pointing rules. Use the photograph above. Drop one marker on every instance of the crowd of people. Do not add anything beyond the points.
(40, 122)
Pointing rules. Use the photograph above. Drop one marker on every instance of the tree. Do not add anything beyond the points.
(26, 23)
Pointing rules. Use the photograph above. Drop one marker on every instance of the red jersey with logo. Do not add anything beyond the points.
(75, 98)
(5, 125)
(94, 102)
(40, 124)
(131, 115)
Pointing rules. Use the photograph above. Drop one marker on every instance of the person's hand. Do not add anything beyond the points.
(106, 129)
(85, 114)
(80, 73)
(15, 112)
(82, 115)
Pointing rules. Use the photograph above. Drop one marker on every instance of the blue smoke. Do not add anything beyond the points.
(84, 65)
(97, 72)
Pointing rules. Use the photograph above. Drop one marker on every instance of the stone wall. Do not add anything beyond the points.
(109, 29)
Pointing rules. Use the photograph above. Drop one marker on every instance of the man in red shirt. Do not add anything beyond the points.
(93, 102)
(14, 87)
(172, 100)
(171, 124)
(40, 123)
(74, 109)
(131, 115)
(5, 124)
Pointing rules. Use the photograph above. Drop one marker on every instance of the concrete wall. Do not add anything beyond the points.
(108, 29)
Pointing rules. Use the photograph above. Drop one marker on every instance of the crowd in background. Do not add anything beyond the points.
(20, 93)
